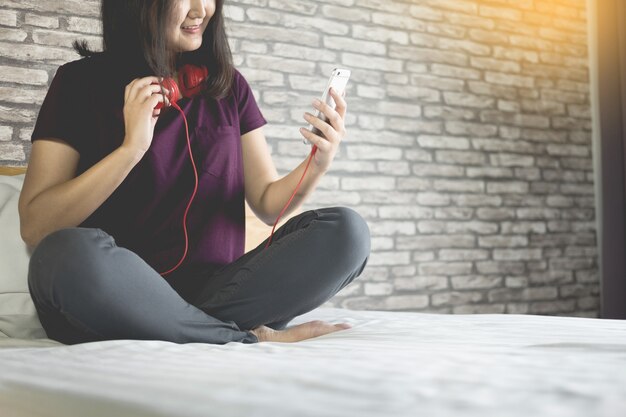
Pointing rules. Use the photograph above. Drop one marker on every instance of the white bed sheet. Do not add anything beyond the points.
(387, 364)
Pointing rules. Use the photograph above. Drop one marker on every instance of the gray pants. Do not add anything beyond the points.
(86, 288)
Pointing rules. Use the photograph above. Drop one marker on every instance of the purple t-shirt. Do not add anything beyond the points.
(84, 106)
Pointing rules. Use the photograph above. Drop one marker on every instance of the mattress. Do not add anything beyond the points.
(388, 364)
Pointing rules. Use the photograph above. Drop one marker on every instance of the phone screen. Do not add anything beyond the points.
(338, 81)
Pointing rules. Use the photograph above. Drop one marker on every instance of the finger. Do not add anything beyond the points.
(321, 143)
(324, 127)
(155, 99)
(139, 84)
(333, 117)
(128, 88)
(340, 103)
(150, 91)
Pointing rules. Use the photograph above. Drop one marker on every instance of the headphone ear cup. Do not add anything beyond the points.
(174, 92)
(190, 79)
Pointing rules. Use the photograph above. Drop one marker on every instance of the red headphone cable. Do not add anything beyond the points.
(269, 241)
(195, 190)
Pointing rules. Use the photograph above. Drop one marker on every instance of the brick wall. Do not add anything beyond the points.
(469, 135)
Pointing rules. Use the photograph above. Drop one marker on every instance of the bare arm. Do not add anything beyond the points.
(266, 193)
(53, 197)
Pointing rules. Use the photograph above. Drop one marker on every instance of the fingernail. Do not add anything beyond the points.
(316, 102)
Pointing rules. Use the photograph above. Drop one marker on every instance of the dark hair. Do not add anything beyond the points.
(135, 33)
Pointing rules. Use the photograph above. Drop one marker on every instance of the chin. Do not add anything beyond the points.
(190, 47)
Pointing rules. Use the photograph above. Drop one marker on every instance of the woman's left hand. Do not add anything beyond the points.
(333, 131)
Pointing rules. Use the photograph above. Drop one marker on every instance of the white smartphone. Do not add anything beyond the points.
(338, 81)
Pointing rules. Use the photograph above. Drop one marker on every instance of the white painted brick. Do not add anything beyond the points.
(464, 6)
(456, 298)
(66, 7)
(368, 91)
(360, 152)
(399, 211)
(368, 62)
(21, 76)
(469, 282)
(460, 157)
(480, 309)
(468, 100)
(472, 21)
(389, 258)
(500, 12)
(507, 187)
(414, 93)
(13, 35)
(437, 170)
(395, 21)
(436, 241)
(50, 22)
(421, 283)
(12, 152)
(476, 200)
(503, 241)
(349, 14)
(16, 115)
(463, 254)
(380, 34)
(386, 228)
(393, 168)
(516, 254)
(305, 54)
(444, 268)
(433, 199)
(381, 243)
(490, 172)
(359, 46)
(8, 18)
(421, 55)
(378, 288)
(443, 142)
(406, 302)
(475, 226)
(84, 25)
(431, 226)
(367, 183)
(36, 53)
(6, 132)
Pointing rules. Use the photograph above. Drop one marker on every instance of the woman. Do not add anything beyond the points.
(107, 195)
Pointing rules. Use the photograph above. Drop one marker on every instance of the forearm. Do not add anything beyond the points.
(278, 193)
(70, 203)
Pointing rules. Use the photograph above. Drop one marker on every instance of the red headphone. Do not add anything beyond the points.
(190, 79)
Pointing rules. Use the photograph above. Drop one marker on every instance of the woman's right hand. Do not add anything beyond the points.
(140, 116)
(297, 333)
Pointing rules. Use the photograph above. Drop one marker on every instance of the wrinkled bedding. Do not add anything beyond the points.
(387, 364)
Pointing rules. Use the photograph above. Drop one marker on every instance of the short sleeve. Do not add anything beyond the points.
(59, 115)
(250, 116)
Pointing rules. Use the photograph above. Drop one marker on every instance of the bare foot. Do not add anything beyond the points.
(297, 333)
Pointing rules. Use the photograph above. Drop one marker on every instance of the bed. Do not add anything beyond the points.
(390, 363)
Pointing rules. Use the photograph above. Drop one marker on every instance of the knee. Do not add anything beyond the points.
(65, 242)
(352, 232)
(60, 252)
